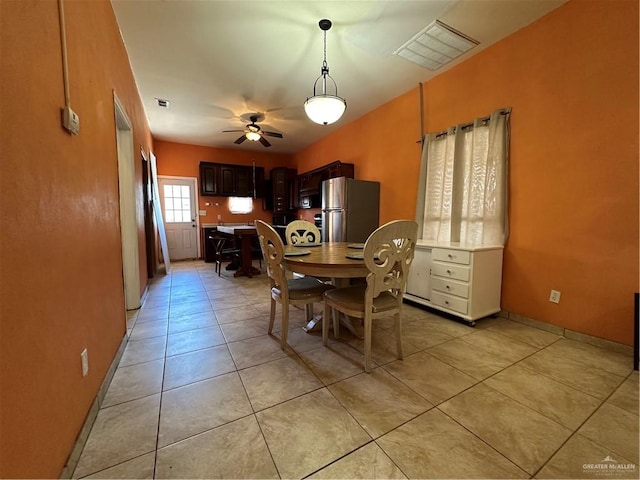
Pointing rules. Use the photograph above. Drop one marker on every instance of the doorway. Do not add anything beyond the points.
(128, 220)
(147, 207)
(179, 209)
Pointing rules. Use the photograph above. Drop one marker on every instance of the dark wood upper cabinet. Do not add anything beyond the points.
(338, 169)
(225, 180)
(283, 182)
(309, 183)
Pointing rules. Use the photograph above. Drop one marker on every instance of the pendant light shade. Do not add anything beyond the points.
(325, 108)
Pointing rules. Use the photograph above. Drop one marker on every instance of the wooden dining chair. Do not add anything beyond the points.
(388, 253)
(297, 291)
(222, 251)
(301, 232)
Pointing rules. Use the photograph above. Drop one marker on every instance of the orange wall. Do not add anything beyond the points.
(572, 81)
(382, 146)
(61, 288)
(571, 78)
(176, 159)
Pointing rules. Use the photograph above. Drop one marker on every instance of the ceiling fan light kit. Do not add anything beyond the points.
(324, 108)
(253, 132)
(253, 136)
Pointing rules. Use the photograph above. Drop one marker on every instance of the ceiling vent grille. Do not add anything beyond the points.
(435, 46)
(162, 102)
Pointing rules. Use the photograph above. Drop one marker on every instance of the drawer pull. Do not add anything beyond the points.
(450, 256)
(449, 272)
(448, 287)
(446, 302)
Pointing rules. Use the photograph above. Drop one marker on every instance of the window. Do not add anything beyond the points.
(240, 204)
(465, 191)
(177, 203)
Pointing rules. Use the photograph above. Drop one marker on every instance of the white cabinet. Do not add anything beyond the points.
(418, 281)
(462, 281)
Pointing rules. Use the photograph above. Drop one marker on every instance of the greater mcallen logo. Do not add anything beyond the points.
(608, 466)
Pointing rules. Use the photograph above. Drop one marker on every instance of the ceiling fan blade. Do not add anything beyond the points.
(264, 141)
(272, 134)
(240, 140)
(231, 131)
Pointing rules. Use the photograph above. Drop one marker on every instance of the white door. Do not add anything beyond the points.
(178, 199)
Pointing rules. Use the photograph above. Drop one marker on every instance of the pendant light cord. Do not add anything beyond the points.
(324, 62)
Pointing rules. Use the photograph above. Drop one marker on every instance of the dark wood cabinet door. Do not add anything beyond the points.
(293, 194)
(282, 180)
(249, 181)
(279, 184)
(279, 179)
(257, 182)
(227, 180)
(209, 179)
(244, 183)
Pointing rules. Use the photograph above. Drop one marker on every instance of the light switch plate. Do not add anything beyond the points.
(70, 121)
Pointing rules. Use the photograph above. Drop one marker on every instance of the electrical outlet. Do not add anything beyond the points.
(219, 217)
(84, 358)
(554, 296)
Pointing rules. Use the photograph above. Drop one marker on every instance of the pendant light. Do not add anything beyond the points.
(324, 108)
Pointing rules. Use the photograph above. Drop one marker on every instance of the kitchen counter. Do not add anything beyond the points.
(216, 225)
(245, 232)
(237, 229)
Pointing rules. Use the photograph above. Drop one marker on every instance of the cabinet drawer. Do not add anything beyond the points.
(449, 270)
(456, 256)
(450, 302)
(448, 286)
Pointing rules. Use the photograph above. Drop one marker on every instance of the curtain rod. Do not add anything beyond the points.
(483, 120)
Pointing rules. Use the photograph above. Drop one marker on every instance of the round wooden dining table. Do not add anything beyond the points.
(327, 259)
(330, 260)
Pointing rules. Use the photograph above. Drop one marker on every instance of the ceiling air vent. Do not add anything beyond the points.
(435, 46)
(162, 103)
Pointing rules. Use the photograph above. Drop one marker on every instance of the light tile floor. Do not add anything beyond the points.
(202, 391)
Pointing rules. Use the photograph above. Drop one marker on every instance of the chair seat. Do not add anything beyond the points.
(352, 298)
(304, 288)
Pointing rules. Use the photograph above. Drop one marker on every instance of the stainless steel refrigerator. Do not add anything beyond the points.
(350, 209)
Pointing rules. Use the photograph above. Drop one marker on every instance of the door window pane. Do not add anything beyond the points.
(177, 203)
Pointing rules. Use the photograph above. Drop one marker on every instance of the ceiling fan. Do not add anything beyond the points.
(253, 132)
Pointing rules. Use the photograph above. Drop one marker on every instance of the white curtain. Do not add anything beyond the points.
(465, 194)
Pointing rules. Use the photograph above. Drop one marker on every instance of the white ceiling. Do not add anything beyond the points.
(216, 61)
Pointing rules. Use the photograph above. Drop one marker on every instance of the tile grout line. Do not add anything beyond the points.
(164, 369)
(576, 431)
